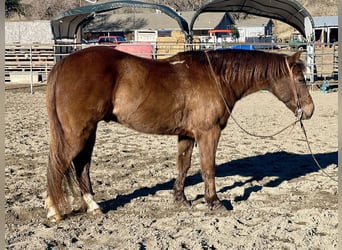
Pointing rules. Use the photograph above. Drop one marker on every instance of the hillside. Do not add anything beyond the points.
(315, 7)
(41, 9)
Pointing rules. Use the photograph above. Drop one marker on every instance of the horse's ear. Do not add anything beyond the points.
(295, 58)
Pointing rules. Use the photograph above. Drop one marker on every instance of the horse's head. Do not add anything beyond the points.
(292, 89)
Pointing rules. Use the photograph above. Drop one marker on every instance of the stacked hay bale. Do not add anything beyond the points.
(168, 46)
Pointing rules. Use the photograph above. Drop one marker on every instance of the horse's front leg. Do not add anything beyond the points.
(207, 142)
(185, 147)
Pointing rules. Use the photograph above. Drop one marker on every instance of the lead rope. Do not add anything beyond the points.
(298, 118)
(313, 156)
(231, 115)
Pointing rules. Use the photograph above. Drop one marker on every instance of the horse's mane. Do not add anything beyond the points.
(244, 67)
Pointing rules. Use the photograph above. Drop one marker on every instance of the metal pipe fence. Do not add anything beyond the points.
(32, 63)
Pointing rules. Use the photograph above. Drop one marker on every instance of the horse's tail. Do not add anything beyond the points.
(58, 159)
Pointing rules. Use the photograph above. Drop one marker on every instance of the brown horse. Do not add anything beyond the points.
(188, 95)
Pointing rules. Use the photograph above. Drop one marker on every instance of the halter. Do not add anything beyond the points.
(299, 111)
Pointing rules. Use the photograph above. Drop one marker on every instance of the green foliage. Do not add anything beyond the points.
(235, 33)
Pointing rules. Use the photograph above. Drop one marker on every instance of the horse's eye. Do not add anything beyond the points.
(302, 81)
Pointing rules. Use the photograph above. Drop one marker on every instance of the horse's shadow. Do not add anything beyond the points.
(282, 165)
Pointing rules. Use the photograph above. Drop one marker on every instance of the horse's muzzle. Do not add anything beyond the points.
(305, 112)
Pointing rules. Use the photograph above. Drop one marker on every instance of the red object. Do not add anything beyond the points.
(142, 49)
(220, 31)
(110, 40)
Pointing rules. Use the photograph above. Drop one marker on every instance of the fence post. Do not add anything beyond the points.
(310, 61)
(31, 69)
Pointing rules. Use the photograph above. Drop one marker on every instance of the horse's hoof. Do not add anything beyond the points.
(53, 214)
(183, 203)
(95, 212)
(55, 218)
(214, 205)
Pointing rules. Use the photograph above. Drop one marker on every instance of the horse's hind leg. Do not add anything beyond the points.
(55, 201)
(69, 164)
(185, 147)
(82, 165)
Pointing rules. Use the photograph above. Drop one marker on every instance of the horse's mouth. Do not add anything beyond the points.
(304, 113)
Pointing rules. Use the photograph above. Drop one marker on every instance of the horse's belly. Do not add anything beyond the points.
(149, 120)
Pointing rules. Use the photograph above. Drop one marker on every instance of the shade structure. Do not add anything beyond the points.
(65, 26)
(288, 11)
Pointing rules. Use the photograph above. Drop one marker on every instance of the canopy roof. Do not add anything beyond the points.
(65, 26)
(287, 11)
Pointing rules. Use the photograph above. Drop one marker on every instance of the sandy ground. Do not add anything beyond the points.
(274, 194)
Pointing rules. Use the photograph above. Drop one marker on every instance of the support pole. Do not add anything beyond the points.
(31, 69)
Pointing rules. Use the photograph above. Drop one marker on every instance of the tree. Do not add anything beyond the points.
(235, 33)
(13, 6)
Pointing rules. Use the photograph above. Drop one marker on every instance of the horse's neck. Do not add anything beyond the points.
(236, 90)
(254, 87)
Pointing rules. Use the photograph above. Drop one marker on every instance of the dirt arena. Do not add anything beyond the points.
(274, 194)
